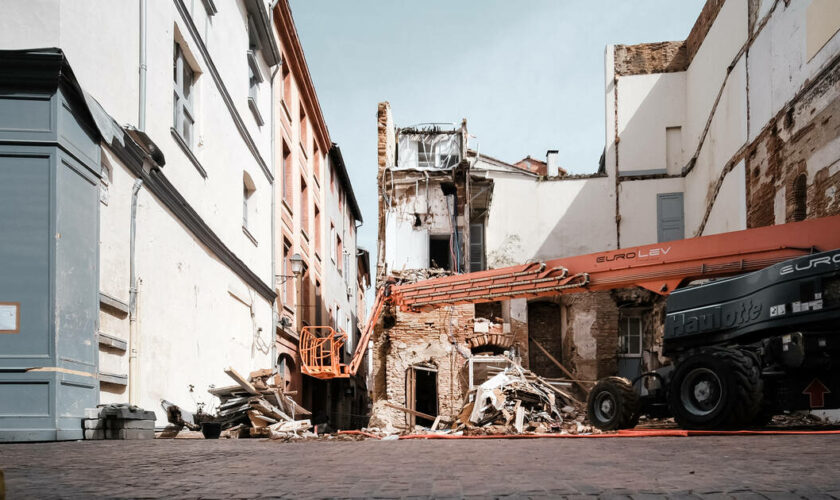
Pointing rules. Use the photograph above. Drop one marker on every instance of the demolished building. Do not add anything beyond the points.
(733, 128)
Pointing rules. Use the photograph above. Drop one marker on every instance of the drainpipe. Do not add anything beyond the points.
(275, 315)
(132, 299)
(141, 113)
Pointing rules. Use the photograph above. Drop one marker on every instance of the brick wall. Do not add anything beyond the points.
(590, 337)
(801, 139)
(544, 326)
(421, 338)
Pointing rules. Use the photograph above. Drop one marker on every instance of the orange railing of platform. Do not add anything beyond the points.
(320, 352)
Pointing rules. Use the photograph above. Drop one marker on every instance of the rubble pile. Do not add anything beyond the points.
(514, 402)
(414, 275)
(257, 408)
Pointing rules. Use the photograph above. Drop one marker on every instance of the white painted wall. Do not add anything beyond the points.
(532, 219)
(648, 104)
(195, 316)
(637, 200)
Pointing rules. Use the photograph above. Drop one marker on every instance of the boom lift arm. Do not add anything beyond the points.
(660, 267)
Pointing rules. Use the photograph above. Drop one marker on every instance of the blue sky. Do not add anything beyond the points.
(527, 75)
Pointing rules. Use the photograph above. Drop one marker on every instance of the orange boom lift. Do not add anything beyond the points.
(660, 268)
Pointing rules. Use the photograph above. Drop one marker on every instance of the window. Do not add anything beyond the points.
(255, 77)
(630, 336)
(339, 253)
(183, 81)
(288, 292)
(316, 163)
(287, 174)
(800, 198)
(248, 189)
(304, 133)
(287, 83)
(476, 247)
(317, 230)
(439, 251)
(318, 304)
(304, 206)
(332, 241)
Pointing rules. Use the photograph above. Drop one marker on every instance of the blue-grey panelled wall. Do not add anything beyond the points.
(49, 261)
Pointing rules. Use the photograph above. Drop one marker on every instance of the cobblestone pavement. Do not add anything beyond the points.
(702, 467)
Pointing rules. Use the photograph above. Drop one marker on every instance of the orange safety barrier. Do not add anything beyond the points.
(320, 352)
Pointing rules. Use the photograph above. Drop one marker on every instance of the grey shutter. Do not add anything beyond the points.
(476, 247)
(670, 217)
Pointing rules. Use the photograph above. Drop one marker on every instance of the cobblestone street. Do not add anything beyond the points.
(704, 467)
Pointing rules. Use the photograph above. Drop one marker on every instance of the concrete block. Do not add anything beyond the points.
(127, 413)
(116, 424)
(95, 434)
(91, 412)
(94, 423)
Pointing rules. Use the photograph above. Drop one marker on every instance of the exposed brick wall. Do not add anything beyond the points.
(590, 336)
(421, 338)
(544, 326)
(701, 27)
(800, 139)
(645, 58)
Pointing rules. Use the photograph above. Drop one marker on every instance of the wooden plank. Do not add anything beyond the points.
(267, 408)
(560, 365)
(243, 383)
(411, 412)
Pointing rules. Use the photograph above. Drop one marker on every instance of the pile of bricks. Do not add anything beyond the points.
(119, 422)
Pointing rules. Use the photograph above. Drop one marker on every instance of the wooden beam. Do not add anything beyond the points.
(243, 383)
(560, 365)
(411, 412)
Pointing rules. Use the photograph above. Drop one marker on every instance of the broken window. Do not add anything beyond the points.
(439, 252)
(427, 150)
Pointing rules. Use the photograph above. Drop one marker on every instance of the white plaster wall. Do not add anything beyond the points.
(195, 316)
(548, 219)
(647, 105)
(727, 133)
(637, 200)
(708, 68)
(778, 61)
(729, 212)
(193, 322)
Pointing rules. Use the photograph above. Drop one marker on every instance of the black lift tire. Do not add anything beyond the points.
(716, 388)
(613, 404)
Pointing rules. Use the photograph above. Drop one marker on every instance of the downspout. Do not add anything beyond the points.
(133, 344)
(132, 298)
(141, 113)
(275, 315)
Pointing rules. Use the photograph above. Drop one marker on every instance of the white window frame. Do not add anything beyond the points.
(624, 336)
(183, 96)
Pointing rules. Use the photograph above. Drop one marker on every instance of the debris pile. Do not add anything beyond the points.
(514, 401)
(414, 275)
(255, 407)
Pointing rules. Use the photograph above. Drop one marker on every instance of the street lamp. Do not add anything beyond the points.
(296, 262)
(297, 265)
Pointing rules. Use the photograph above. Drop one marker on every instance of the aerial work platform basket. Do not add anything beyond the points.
(320, 352)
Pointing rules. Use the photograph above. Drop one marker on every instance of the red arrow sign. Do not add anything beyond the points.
(816, 390)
